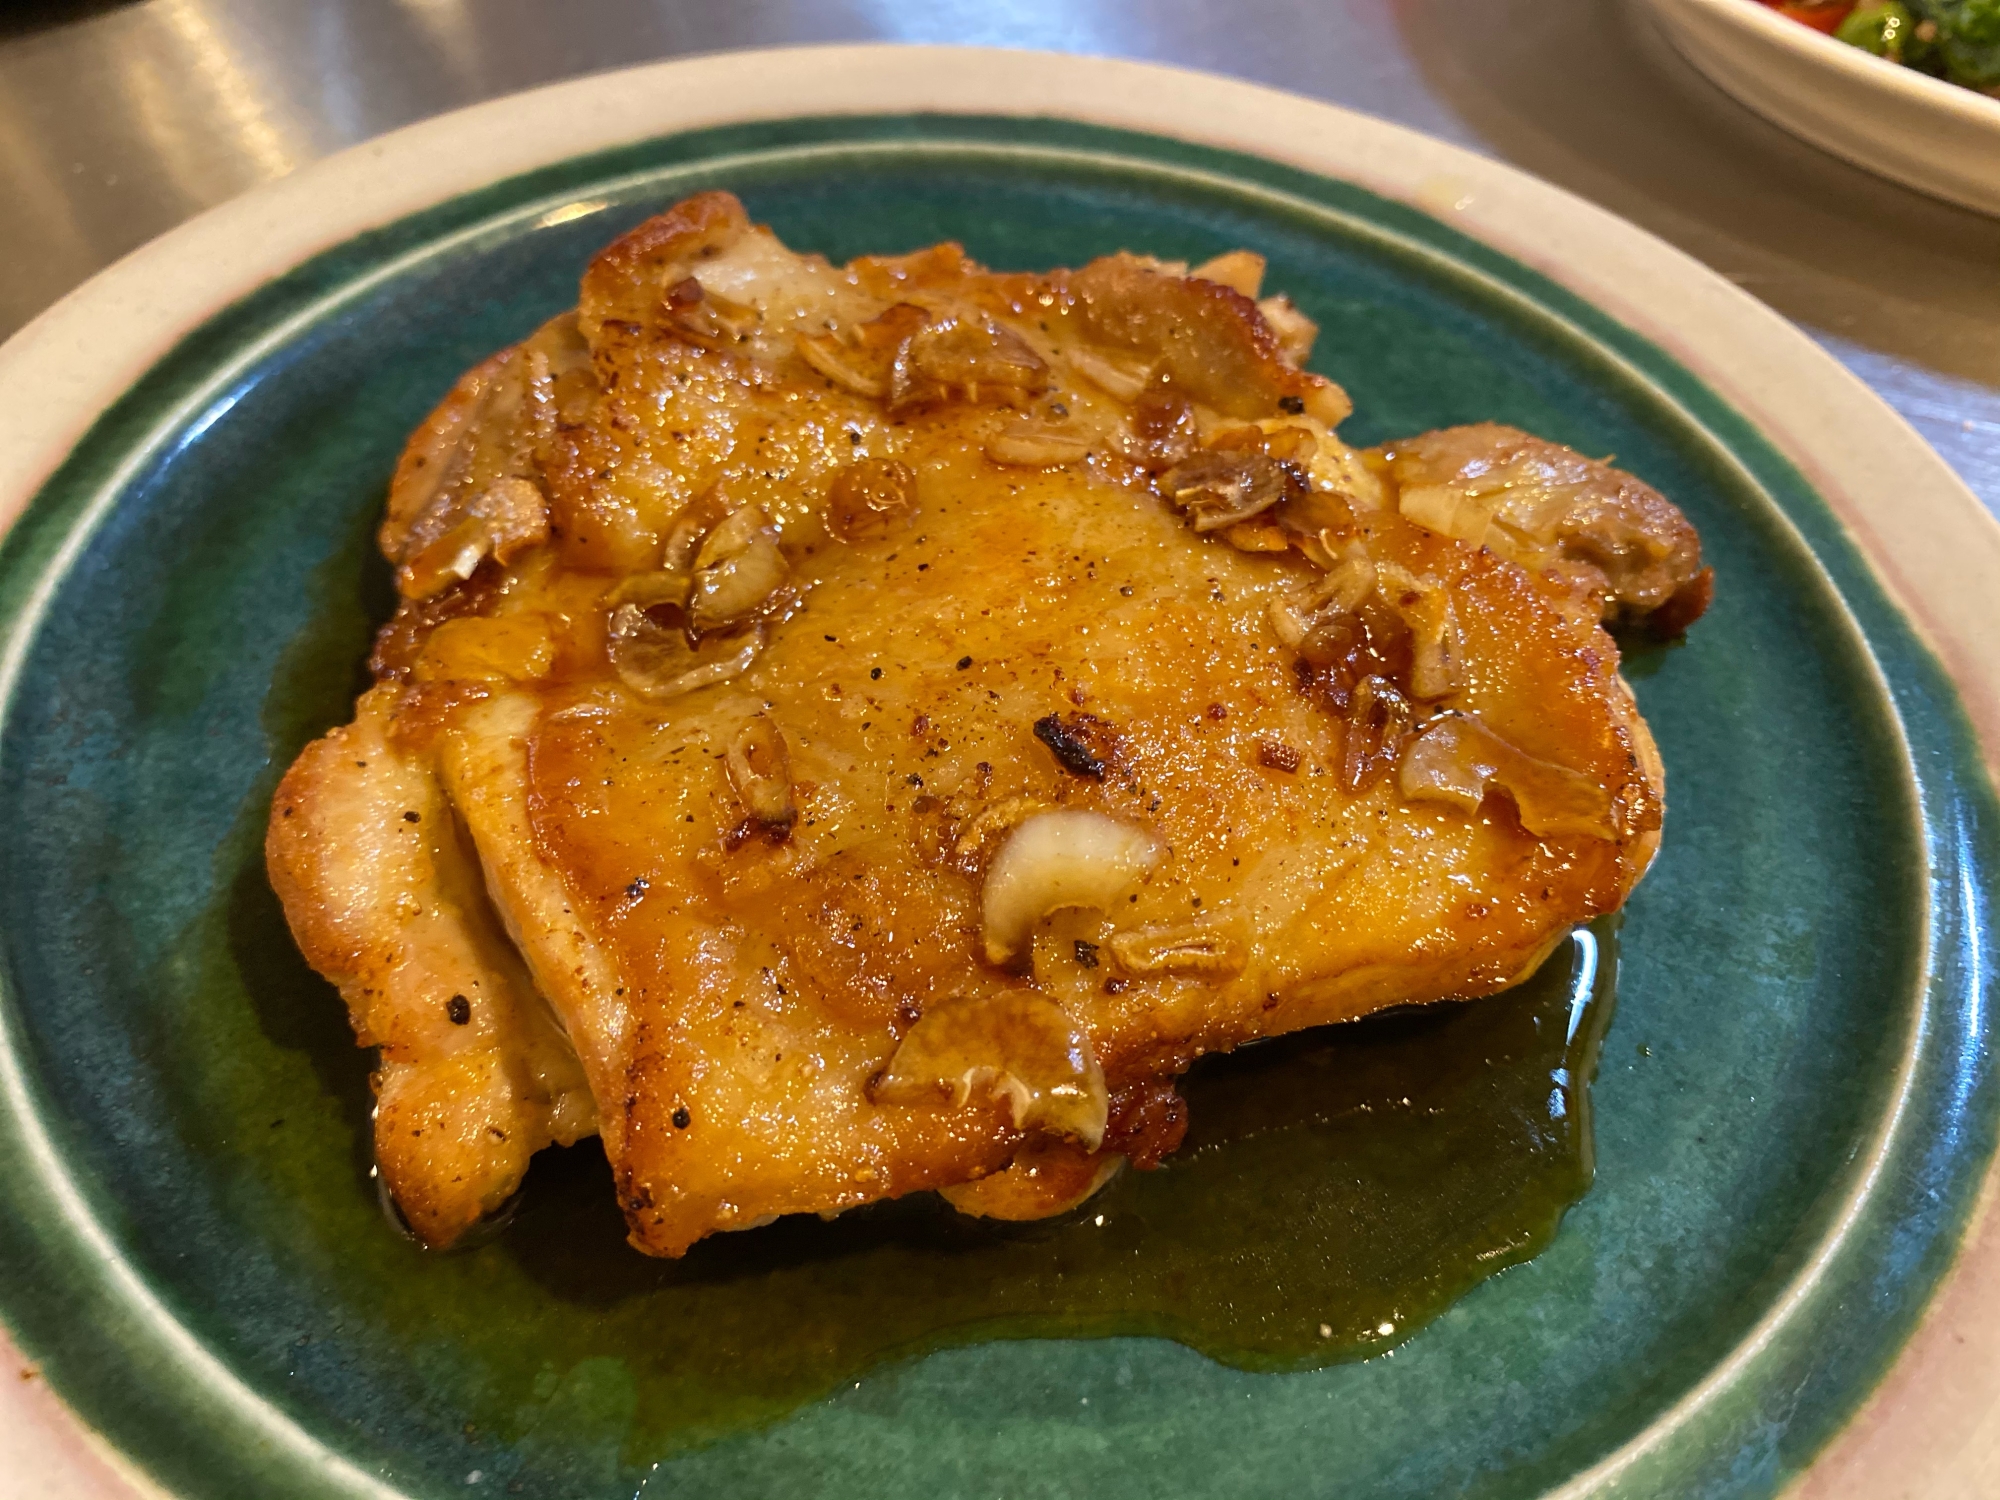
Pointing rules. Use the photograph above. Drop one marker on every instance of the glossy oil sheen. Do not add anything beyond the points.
(1818, 907)
(1338, 1189)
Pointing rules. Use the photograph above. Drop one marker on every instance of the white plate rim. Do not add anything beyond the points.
(1933, 1424)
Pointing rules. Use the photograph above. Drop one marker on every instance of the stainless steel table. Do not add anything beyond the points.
(119, 121)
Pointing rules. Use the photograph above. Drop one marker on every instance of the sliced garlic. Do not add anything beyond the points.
(450, 540)
(1205, 948)
(1037, 445)
(1014, 1045)
(868, 498)
(737, 570)
(1219, 487)
(761, 772)
(1044, 1179)
(648, 590)
(1058, 859)
(1257, 536)
(691, 525)
(847, 368)
(1125, 379)
(956, 357)
(1350, 580)
(1337, 471)
(1457, 757)
(1378, 722)
(1437, 660)
(971, 841)
(1448, 510)
(658, 661)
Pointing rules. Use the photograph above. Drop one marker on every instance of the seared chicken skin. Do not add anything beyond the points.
(854, 730)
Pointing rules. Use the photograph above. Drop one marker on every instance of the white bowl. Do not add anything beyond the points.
(1914, 129)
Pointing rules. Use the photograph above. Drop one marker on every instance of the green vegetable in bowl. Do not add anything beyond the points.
(1887, 30)
(1968, 39)
(1954, 39)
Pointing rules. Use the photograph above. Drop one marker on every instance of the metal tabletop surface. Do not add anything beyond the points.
(118, 121)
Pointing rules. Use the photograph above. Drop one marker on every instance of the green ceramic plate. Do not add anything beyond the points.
(1795, 1105)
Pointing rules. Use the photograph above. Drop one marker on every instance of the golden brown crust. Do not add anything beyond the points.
(1549, 504)
(627, 279)
(771, 619)
(1212, 339)
(365, 855)
(427, 460)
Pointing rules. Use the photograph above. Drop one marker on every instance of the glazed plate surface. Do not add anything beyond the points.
(1795, 1106)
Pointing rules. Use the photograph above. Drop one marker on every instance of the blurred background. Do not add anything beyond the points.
(120, 120)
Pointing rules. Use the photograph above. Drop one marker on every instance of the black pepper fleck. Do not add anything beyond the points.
(964, 662)
(874, 674)
(459, 1009)
(410, 817)
(682, 1119)
(1086, 953)
(1292, 405)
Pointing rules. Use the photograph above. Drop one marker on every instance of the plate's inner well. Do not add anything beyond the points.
(202, 1086)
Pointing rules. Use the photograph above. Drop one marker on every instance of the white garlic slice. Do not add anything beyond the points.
(1058, 859)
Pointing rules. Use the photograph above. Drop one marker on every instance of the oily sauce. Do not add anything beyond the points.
(1339, 1188)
